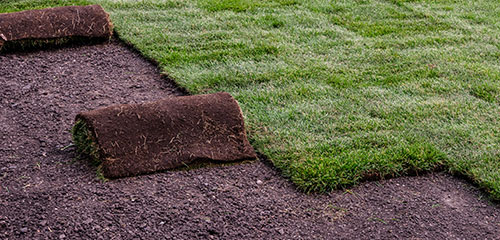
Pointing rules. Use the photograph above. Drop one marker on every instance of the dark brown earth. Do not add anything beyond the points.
(71, 21)
(134, 139)
(46, 193)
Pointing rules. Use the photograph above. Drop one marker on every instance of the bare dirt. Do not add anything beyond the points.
(45, 193)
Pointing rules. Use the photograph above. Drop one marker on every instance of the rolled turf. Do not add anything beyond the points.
(133, 139)
(53, 25)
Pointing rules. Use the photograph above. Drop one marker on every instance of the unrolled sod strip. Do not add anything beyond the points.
(134, 139)
(34, 26)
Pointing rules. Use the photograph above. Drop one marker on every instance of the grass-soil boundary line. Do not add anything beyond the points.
(205, 163)
(442, 168)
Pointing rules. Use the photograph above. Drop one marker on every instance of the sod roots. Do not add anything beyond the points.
(52, 26)
(128, 140)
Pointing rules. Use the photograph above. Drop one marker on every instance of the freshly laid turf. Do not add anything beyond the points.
(335, 92)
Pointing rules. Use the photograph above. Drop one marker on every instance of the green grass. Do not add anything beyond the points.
(20, 5)
(85, 142)
(86, 146)
(336, 92)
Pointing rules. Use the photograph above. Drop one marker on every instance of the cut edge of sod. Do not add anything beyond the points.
(86, 146)
(320, 175)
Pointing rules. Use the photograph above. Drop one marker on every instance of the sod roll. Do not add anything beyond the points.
(55, 23)
(133, 139)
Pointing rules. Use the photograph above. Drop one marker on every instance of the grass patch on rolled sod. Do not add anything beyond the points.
(337, 91)
(86, 146)
(85, 141)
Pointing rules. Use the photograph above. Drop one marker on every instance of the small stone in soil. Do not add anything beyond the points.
(89, 220)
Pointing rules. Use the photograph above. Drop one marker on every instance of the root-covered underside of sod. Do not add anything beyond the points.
(132, 139)
(335, 92)
(34, 29)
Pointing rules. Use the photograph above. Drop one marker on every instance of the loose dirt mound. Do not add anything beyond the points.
(22, 29)
(141, 138)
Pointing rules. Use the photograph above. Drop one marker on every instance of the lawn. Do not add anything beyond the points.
(337, 92)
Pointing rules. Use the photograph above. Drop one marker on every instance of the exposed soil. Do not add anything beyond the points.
(46, 193)
(133, 139)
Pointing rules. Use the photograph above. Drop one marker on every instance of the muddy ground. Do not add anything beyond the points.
(46, 193)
